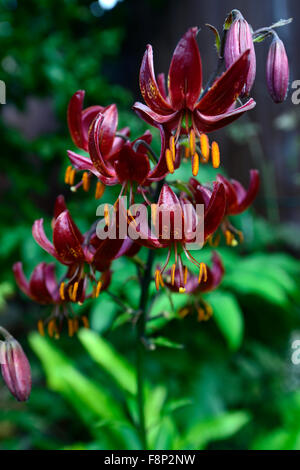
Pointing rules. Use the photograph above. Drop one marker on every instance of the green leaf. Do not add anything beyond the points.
(214, 429)
(109, 360)
(85, 395)
(228, 316)
(166, 343)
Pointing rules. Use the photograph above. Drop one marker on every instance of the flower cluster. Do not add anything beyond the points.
(185, 112)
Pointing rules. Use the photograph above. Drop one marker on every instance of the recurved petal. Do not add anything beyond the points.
(205, 123)
(67, 239)
(41, 238)
(215, 210)
(108, 129)
(185, 73)
(82, 163)
(245, 198)
(226, 89)
(59, 206)
(37, 285)
(169, 121)
(20, 278)
(103, 167)
(214, 274)
(149, 87)
(231, 196)
(74, 118)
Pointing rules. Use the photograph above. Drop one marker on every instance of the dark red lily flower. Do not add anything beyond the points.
(184, 105)
(175, 223)
(114, 159)
(76, 250)
(238, 199)
(192, 286)
(44, 289)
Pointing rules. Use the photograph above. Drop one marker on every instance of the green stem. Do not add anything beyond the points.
(140, 335)
(140, 347)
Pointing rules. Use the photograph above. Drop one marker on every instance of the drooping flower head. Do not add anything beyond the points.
(185, 108)
(214, 276)
(238, 199)
(175, 224)
(113, 158)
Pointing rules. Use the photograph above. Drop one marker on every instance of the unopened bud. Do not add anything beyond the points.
(15, 367)
(277, 70)
(238, 40)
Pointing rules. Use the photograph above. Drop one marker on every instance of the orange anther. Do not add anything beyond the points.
(215, 154)
(169, 161)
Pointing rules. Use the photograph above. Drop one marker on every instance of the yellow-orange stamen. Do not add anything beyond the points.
(204, 146)
(185, 275)
(72, 176)
(70, 292)
(67, 174)
(181, 290)
(195, 164)
(229, 237)
(74, 293)
(70, 327)
(215, 154)
(106, 215)
(100, 187)
(98, 289)
(172, 147)
(40, 327)
(202, 273)
(51, 328)
(169, 161)
(192, 141)
(62, 291)
(157, 279)
(173, 269)
(86, 182)
(85, 321)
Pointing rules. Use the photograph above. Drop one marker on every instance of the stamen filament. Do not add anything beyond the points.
(85, 321)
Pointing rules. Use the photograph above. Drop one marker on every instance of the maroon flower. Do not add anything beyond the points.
(44, 289)
(238, 40)
(113, 158)
(76, 250)
(181, 108)
(277, 70)
(175, 224)
(15, 367)
(192, 286)
(238, 199)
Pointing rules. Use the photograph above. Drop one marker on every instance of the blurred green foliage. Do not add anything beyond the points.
(228, 383)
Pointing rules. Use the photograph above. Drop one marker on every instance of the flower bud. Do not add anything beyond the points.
(238, 40)
(277, 70)
(15, 367)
